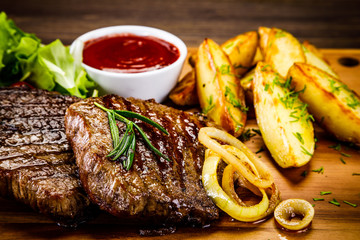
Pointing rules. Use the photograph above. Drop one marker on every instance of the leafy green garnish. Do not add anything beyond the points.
(50, 67)
(126, 145)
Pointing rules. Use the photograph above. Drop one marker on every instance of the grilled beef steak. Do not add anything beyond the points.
(37, 165)
(153, 189)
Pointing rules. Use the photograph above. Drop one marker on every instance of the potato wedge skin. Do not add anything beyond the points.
(284, 122)
(221, 97)
(241, 51)
(282, 50)
(332, 103)
(184, 93)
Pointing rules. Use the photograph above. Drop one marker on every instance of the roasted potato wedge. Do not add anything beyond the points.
(313, 58)
(310, 47)
(184, 93)
(241, 51)
(264, 33)
(283, 119)
(221, 97)
(280, 49)
(258, 57)
(246, 83)
(333, 104)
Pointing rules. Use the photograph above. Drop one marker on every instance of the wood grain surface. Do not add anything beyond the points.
(330, 222)
(328, 24)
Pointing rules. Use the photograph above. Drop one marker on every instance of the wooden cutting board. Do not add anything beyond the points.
(330, 222)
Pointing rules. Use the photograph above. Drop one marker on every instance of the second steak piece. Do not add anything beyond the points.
(153, 189)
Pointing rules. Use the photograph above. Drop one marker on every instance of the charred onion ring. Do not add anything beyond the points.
(223, 201)
(288, 209)
(241, 160)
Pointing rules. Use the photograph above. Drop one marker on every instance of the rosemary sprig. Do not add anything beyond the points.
(126, 145)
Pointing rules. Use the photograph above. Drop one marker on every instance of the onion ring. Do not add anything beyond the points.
(223, 201)
(261, 180)
(286, 211)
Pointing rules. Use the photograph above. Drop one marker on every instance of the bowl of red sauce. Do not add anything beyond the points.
(132, 61)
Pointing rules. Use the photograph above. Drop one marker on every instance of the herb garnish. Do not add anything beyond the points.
(318, 199)
(345, 154)
(336, 147)
(325, 193)
(319, 170)
(304, 173)
(260, 150)
(126, 145)
(351, 204)
(335, 202)
(210, 105)
(231, 98)
(299, 137)
(246, 135)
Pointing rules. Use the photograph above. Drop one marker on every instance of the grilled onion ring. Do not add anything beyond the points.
(241, 161)
(228, 186)
(223, 201)
(289, 208)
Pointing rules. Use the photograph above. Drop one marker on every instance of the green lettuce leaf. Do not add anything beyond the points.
(14, 45)
(50, 67)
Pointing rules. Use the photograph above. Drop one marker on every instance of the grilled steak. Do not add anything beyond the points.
(37, 165)
(153, 189)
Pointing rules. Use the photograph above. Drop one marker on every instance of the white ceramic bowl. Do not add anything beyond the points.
(144, 85)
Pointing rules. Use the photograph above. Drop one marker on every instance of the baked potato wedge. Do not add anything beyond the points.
(184, 93)
(258, 57)
(246, 83)
(334, 106)
(241, 51)
(310, 47)
(281, 50)
(221, 97)
(264, 33)
(283, 120)
(312, 56)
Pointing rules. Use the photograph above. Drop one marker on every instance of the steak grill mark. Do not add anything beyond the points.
(37, 165)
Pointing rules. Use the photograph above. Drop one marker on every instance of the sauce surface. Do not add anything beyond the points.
(129, 53)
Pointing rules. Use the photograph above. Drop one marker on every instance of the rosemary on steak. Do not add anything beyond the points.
(126, 145)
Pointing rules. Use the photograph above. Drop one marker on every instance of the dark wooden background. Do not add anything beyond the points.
(326, 23)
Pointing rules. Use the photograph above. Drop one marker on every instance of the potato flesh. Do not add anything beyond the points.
(329, 99)
(218, 88)
(289, 140)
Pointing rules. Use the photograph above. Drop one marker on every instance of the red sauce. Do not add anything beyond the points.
(129, 53)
